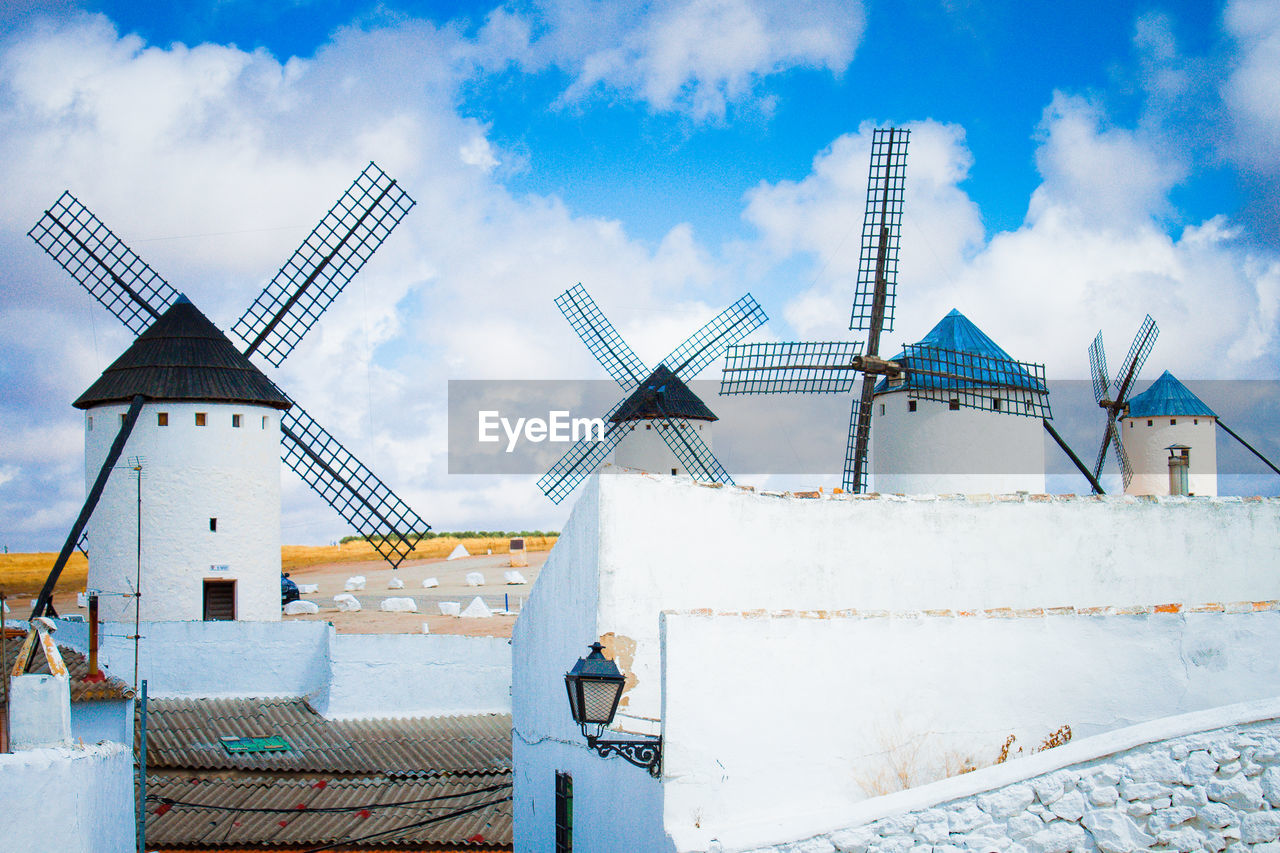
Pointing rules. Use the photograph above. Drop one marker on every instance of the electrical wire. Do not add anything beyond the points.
(422, 823)
(169, 801)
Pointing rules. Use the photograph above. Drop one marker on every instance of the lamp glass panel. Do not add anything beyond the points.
(599, 699)
(575, 705)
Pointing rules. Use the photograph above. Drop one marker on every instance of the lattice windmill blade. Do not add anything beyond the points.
(683, 439)
(709, 343)
(344, 482)
(818, 367)
(855, 450)
(1098, 368)
(1138, 352)
(881, 226)
(1108, 432)
(973, 381)
(581, 459)
(1126, 469)
(103, 265)
(332, 254)
(601, 337)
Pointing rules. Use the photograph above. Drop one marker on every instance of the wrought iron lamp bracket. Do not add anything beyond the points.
(646, 754)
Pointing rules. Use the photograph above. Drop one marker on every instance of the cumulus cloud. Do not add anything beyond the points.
(1252, 89)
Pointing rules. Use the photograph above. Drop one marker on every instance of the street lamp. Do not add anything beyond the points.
(595, 686)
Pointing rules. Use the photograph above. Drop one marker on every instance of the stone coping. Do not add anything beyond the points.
(799, 826)
(1171, 608)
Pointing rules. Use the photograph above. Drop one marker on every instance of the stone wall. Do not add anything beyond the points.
(1215, 790)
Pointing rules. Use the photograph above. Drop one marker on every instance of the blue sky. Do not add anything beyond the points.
(1074, 166)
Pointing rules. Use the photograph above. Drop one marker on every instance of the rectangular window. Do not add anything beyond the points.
(954, 404)
(1149, 422)
(1173, 421)
(122, 417)
(1195, 422)
(673, 471)
(201, 418)
(213, 525)
(911, 405)
(995, 404)
(564, 813)
(90, 423)
(882, 409)
(219, 601)
(264, 421)
(162, 418)
(235, 421)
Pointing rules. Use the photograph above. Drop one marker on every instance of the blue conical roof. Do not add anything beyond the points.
(1168, 397)
(958, 333)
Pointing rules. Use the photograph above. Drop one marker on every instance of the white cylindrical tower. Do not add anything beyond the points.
(203, 523)
(662, 403)
(1167, 415)
(941, 446)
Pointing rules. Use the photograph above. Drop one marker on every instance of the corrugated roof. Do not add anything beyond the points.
(1167, 396)
(110, 688)
(185, 733)
(290, 811)
(182, 356)
(663, 395)
(957, 333)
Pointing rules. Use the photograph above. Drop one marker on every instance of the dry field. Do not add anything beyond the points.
(22, 576)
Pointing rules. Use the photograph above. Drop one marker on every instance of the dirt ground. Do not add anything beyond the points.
(496, 592)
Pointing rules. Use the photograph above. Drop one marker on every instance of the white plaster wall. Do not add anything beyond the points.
(72, 800)
(934, 450)
(190, 474)
(616, 806)
(793, 719)
(39, 711)
(1149, 458)
(644, 448)
(672, 544)
(102, 720)
(406, 675)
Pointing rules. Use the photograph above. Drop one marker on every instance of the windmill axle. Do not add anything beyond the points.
(876, 365)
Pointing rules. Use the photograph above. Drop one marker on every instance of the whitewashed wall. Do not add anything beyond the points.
(190, 474)
(73, 800)
(1208, 781)
(407, 675)
(1146, 446)
(781, 722)
(644, 449)
(934, 450)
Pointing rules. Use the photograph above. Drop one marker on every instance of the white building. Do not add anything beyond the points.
(194, 506)
(800, 656)
(1167, 415)
(938, 445)
(662, 404)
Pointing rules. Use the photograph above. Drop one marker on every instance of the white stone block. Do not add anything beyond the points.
(458, 553)
(449, 608)
(308, 588)
(475, 579)
(346, 602)
(426, 628)
(355, 583)
(296, 608)
(1237, 792)
(514, 577)
(430, 583)
(477, 609)
(39, 711)
(398, 605)
(395, 583)
(1115, 832)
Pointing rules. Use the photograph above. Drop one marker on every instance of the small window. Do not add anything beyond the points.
(213, 525)
(122, 419)
(235, 421)
(995, 404)
(219, 601)
(564, 813)
(1130, 424)
(911, 405)
(673, 471)
(882, 409)
(162, 418)
(202, 418)
(648, 426)
(1195, 422)
(264, 421)
(90, 423)
(954, 404)
(1173, 421)
(1150, 422)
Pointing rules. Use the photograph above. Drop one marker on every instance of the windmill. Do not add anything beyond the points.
(1143, 341)
(936, 369)
(286, 309)
(659, 398)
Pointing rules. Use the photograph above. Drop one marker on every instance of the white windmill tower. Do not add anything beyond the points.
(940, 408)
(209, 428)
(661, 426)
(1170, 438)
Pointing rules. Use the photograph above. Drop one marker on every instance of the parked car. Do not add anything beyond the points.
(288, 590)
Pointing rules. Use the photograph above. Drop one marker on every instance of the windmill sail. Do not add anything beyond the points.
(601, 338)
(582, 457)
(810, 367)
(975, 381)
(1141, 347)
(332, 254)
(102, 264)
(709, 343)
(881, 226)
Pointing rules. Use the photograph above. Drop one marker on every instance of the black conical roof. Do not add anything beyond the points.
(182, 356)
(663, 395)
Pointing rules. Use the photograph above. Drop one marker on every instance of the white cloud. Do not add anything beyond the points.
(1252, 89)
